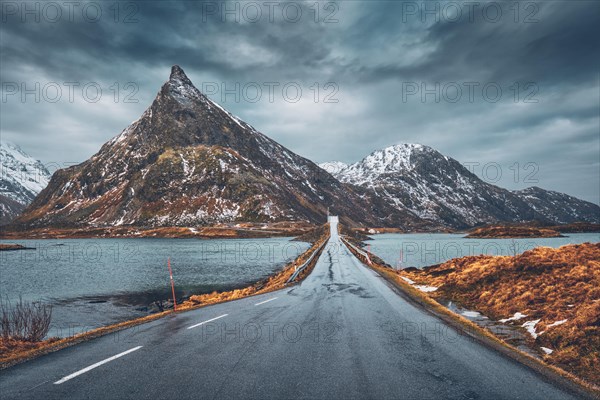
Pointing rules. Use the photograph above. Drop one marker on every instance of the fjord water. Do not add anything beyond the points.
(422, 249)
(96, 282)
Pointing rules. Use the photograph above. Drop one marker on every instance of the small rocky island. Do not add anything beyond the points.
(508, 232)
(13, 247)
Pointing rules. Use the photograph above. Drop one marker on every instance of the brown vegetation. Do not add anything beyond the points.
(24, 321)
(13, 351)
(10, 347)
(23, 326)
(508, 231)
(275, 282)
(531, 229)
(219, 231)
(568, 376)
(12, 247)
(355, 235)
(577, 227)
(16, 350)
(558, 287)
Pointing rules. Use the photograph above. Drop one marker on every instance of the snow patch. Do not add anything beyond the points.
(426, 289)
(517, 316)
(530, 326)
(408, 280)
(422, 288)
(557, 323)
(471, 314)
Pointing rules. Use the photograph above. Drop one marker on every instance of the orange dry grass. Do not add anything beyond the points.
(11, 346)
(13, 351)
(4, 247)
(547, 284)
(245, 230)
(507, 231)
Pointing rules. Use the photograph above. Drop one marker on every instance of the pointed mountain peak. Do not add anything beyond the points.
(181, 88)
(410, 146)
(177, 74)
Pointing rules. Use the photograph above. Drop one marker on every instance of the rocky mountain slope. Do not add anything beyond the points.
(418, 179)
(558, 207)
(21, 179)
(186, 161)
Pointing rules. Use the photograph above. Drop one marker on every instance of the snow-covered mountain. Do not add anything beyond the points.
(437, 188)
(559, 207)
(333, 167)
(21, 179)
(187, 161)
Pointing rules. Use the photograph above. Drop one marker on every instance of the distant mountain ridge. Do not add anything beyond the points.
(187, 161)
(22, 177)
(559, 207)
(437, 188)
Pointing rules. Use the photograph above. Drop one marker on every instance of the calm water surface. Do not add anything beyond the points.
(423, 249)
(95, 282)
(420, 250)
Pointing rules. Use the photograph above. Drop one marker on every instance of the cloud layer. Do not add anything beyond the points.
(512, 86)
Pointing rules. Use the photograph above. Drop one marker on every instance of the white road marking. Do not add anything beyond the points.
(207, 321)
(91, 367)
(266, 301)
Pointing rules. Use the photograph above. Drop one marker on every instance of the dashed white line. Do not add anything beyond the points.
(207, 321)
(266, 301)
(91, 367)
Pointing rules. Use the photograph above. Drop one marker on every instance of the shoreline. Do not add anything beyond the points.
(219, 231)
(274, 282)
(530, 231)
(254, 230)
(469, 327)
(14, 247)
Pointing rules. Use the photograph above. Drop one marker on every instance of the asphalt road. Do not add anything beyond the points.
(342, 333)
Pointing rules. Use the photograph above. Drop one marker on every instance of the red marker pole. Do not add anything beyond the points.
(400, 260)
(172, 285)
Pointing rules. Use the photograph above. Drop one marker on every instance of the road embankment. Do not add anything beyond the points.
(16, 351)
(273, 283)
(423, 292)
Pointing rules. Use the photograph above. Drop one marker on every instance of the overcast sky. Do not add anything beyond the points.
(502, 87)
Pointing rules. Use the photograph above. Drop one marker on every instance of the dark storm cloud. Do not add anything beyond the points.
(371, 53)
(555, 44)
(163, 32)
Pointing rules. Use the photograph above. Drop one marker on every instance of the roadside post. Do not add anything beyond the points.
(400, 260)
(172, 285)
